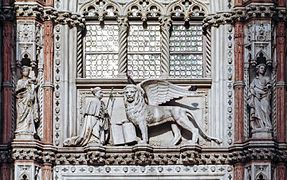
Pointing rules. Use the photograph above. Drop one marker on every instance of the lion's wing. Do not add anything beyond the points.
(161, 91)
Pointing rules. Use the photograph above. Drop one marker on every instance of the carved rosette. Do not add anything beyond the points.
(123, 33)
(165, 24)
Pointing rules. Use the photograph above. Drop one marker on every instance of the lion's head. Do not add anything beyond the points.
(131, 93)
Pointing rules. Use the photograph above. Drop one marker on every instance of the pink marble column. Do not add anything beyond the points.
(238, 171)
(48, 80)
(280, 87)
(239, 86)
(281, 172)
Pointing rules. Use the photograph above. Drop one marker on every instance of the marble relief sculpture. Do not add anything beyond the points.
(26, 103)
(142, 108)
(259, 97)
(95, 130)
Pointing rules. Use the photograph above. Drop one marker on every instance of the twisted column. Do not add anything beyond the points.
(165, 24)
(79, 53)
(123, 46)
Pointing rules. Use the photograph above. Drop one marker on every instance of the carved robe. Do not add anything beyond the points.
(95, 128)
(27, 106)
(259, 102)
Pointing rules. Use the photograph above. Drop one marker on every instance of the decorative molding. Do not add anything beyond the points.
(47, 13)
(143, 9)
(57, 79)
(245, 14)
(132, 172)
(230, 93)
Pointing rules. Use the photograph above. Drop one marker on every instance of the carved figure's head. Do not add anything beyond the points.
(97, 91)
(25, 71)
(260, 68)
(131, 93)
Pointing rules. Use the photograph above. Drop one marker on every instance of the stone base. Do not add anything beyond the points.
(261, 134)
(24, 136)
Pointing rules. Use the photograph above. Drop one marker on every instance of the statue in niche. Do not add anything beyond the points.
(142, 108)
(259, 97)
(95, 129)
(26, 103)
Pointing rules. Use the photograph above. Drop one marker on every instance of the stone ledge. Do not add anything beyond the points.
(148, 155)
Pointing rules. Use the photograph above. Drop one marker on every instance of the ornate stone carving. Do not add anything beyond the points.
(258, 42)
(259, 100)
(7, 13)
(59, 17)
(144, 114)
(258, 171)
(141, 172)
(27, 105)
(244, 14)
(143, 9)
(96, 123)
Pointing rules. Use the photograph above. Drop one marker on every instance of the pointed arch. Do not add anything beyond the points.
(143, 9)
(101, 9)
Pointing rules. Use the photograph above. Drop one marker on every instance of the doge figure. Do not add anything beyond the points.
(142, 108)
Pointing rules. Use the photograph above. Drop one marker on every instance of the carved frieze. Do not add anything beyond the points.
(160, 172)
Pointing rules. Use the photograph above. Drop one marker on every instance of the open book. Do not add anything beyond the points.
(123, 133)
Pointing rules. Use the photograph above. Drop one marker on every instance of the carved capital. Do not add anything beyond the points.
(165, 22)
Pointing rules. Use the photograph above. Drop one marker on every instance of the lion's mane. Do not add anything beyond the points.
(136, 108)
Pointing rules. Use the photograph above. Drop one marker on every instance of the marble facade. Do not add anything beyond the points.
(207, 109)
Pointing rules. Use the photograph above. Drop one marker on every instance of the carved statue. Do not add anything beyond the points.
(259, 99)
(26, 103)
(95, 130)
(143, 114)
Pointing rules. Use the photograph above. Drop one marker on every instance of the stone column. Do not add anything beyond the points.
(239, 84)
(281, 81)
(48, 82)
(281, 171)
(123, 46)
(165, 24)
(239, 171)
(48, 90)
(80, 53)
(7, 81)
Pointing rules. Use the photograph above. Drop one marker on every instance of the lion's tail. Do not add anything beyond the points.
(201, 132)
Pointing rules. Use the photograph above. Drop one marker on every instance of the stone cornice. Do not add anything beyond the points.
(146, 154)
(244, 14)
(38, 11)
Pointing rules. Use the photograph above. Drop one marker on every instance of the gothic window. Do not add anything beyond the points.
(150, 44)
